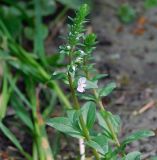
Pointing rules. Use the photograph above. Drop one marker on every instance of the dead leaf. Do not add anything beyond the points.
(139, 31)
(120, 29)
(140, 26)
(142, 21)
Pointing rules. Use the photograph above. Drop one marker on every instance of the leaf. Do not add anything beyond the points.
(6, 92)
(87, 97)
(89, 113)
(138, 135)
(51, 104)
(107, 90)
(38, 38)
(90, 40)
(19, 93)
(30, 33)
(126, 13)
(133, 156)
(57, 76)
(4, 96)
(74, 4)
(13, 139)
(64, 125)
(73, 116)
(150, 3)
(100, 143)
(114, 119)
(12, 19)
(99, 76)
(91, 84)
(55, 60)
(22, 113)
(154, 158)
(116, 122)
(10, 135)
(48, 7)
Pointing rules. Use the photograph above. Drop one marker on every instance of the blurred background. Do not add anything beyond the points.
(30, 33)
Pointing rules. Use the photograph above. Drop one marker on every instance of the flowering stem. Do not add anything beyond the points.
(77, 106)
(76, 103)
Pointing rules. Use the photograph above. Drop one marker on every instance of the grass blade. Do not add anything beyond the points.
(14, 140)
(39, 39)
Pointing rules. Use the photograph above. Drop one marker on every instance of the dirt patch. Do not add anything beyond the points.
(131, 60)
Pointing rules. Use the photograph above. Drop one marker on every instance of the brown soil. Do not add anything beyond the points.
(131, 60)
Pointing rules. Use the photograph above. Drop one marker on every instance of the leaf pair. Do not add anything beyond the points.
(133, 156)
(70, 124)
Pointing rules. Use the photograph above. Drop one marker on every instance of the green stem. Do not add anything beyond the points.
(35, 151)
(76, 103)
(100, 104)
(109, 124)
(38, 137)
(37, 132)
(77, 106)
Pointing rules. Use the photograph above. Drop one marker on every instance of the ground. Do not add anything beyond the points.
(130, 57)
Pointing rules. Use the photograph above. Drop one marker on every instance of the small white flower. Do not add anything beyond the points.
(79, 60)
(82, 52)
(74, 68)
(81, 84)
(68, 47)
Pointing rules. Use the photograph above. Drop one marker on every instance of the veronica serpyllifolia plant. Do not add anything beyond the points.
(82, 79)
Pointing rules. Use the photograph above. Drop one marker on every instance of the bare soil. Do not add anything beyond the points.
(130, 59)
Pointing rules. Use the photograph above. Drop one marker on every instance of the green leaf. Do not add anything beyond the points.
(13, 139)
(154, 158)
(138, 135)
(4, 96)
(22, 113)
(12, 19)
(100, 76)
(116, 122)
(91, 84)
(38, 38)
(51, 104)
(64, 125)
(10, 135)
(74, 4)
(57, 76)
(89, 114)
(107, 90)
(30, 33)
(114, 119)
(6, 92)
(100, 143)
(90, 40)
(113, 154)
(126, 13)
(73, 116)
(87, 97)
(133, 156)
(19, 93)
(48, 7)
(150, 3)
